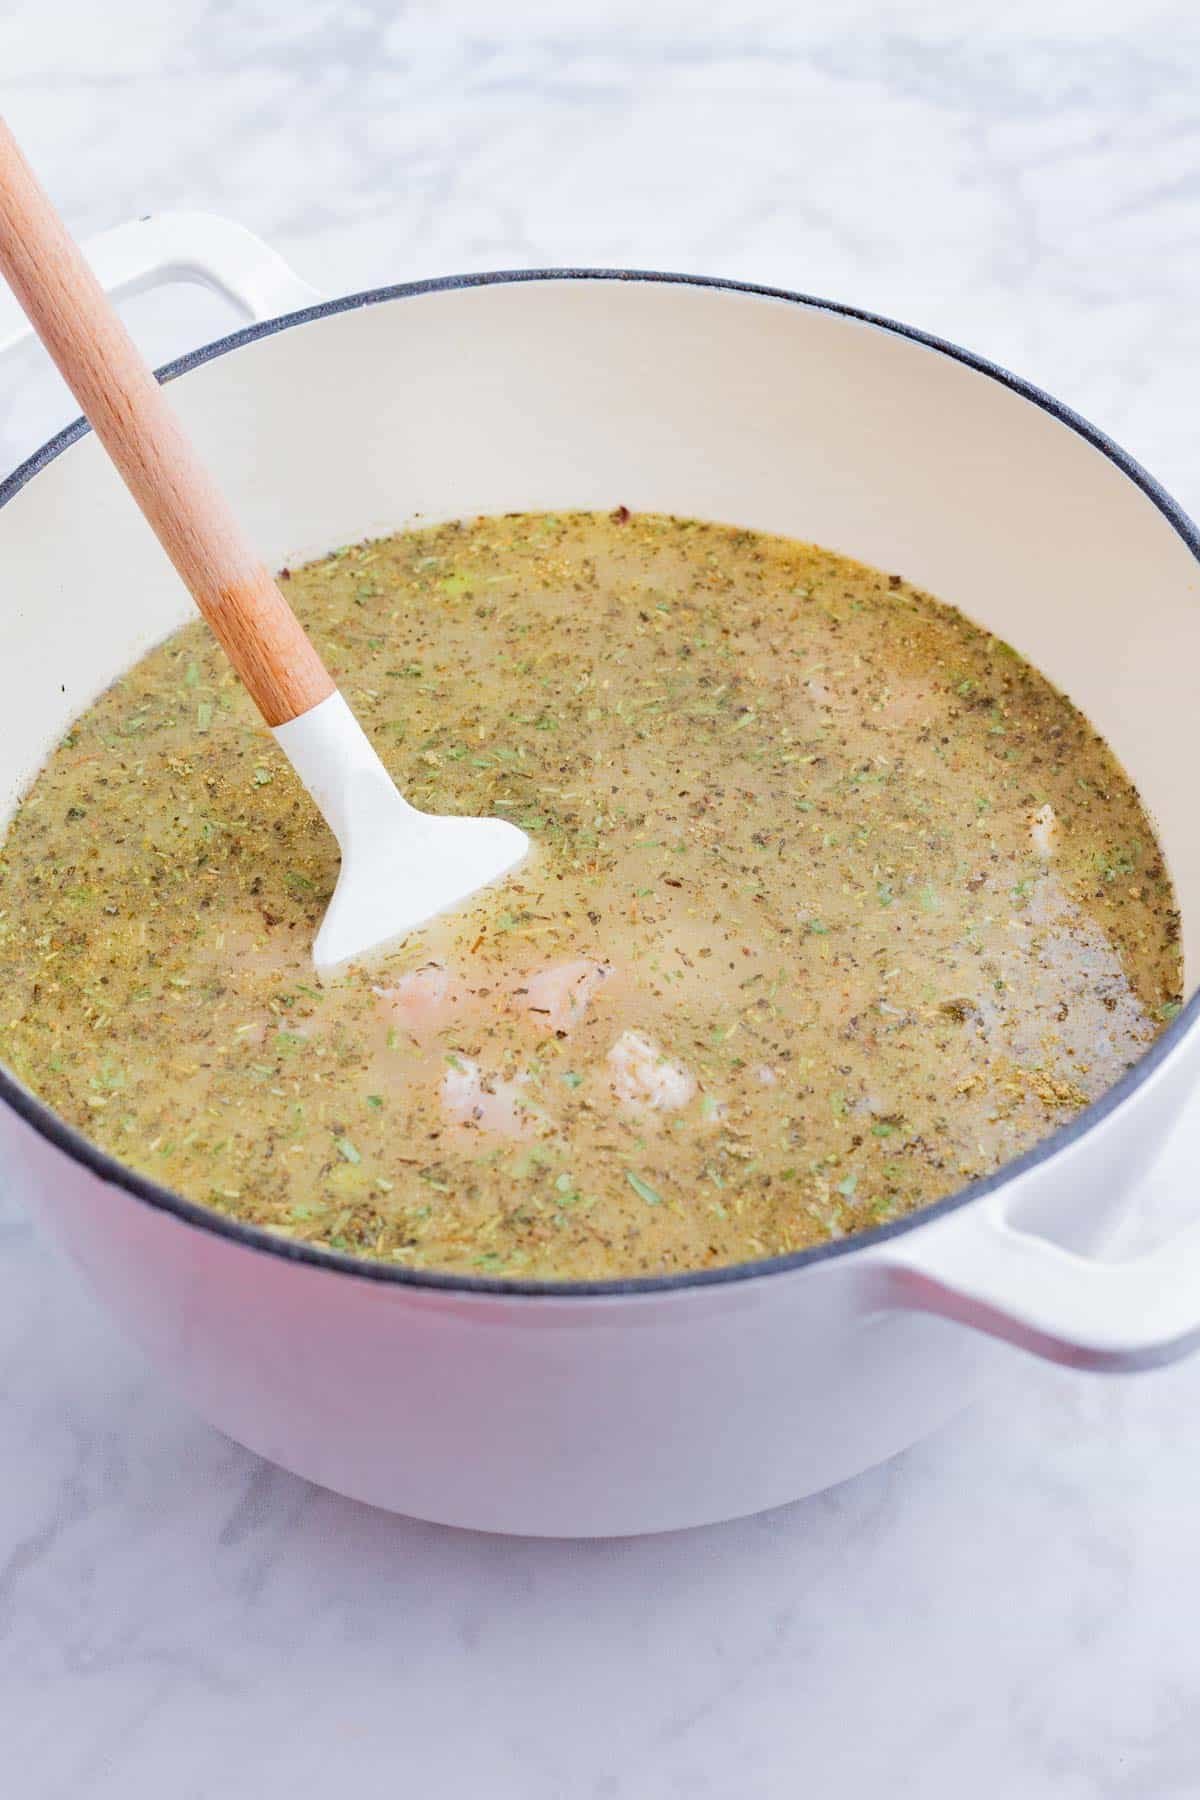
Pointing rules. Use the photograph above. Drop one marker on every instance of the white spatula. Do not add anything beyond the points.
(400, 867)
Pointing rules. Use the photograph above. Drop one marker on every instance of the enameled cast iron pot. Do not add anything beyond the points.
(623, 1406)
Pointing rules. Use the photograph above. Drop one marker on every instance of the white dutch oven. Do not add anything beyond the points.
(638, 1405)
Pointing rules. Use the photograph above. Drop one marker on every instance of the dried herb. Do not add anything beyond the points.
(787, 799)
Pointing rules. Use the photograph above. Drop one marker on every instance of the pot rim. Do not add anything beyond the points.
(80, 1149)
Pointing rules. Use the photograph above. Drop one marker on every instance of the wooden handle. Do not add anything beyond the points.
(128, 410)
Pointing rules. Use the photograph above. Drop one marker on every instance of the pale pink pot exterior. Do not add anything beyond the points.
(597, 1413)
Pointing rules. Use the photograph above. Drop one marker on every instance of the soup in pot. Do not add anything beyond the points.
(835, 904)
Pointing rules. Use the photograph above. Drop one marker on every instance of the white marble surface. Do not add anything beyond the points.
(1008, 1610)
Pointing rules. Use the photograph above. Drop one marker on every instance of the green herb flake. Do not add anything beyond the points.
(346, 1150)
(642, 1189)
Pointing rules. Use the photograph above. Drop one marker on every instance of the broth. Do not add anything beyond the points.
(835, 904)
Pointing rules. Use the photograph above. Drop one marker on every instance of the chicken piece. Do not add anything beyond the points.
(424, 1001)
(642, 1075)
(472, 1098)
(557, 998)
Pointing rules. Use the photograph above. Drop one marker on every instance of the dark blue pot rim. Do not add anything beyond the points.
(81, 1150)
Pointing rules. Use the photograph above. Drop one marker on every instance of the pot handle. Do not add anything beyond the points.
(182, 246)
(976, 1267)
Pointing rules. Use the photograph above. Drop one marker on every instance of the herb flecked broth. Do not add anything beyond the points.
(836, 903)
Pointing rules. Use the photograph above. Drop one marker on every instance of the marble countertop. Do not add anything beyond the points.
(1009, 1609)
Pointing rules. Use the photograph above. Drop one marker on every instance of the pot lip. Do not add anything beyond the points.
(62, 1136)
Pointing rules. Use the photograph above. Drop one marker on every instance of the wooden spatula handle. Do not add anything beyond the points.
(129, 412)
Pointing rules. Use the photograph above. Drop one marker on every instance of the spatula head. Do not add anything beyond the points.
(400, 867)
(405, 870)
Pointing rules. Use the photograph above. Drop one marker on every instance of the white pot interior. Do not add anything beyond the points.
(666, 396)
